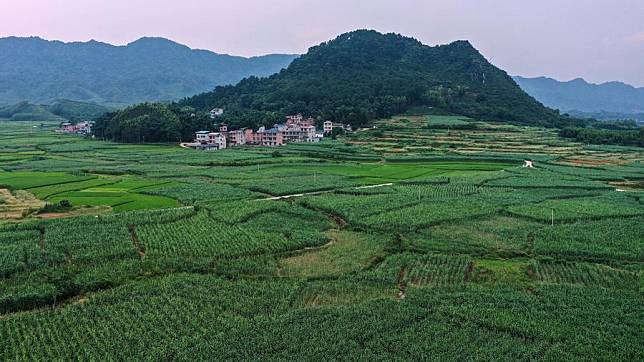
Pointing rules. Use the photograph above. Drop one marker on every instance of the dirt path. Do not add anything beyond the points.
(135, 241)
(402, 286)
(284, 197)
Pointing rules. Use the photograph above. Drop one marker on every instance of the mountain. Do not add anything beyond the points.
(608, 116)
(57, 111)
(579, 95)
(363, 75)
(149, 69)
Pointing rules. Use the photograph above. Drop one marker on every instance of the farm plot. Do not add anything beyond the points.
(419, 270)
(28, 180)
(198, 190)
(605, 206)
(497, 235)
(586, 274)
(124, 195)
(203, 237)
(610, 239)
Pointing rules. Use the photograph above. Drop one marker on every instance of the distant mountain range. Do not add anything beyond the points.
(582, 99)
(149, 69)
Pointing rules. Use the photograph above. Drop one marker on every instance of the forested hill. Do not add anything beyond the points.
(364, 75)
(149, 69)
(59, 110)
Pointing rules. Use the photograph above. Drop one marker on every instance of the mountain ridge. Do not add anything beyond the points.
(148, 69)
(582, 96)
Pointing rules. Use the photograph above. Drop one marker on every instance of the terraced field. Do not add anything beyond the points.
(422, 237)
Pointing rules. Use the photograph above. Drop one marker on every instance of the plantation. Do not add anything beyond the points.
(421, 237)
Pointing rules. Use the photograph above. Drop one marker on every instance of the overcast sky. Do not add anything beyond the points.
(599, 40)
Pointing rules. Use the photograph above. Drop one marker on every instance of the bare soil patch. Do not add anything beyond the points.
(18, 204)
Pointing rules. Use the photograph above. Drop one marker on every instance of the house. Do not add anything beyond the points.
(237, 137)
(298, 129)
(216, 112)
(201, 137)
(249, 135)
(216, 140)
(82, 128)
(297, 118)
(209, 140)
(329, 126)
(271, 137)
(223, 128)
(299, 133)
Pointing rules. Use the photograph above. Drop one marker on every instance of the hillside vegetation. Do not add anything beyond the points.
(364, 75)
(57, 111)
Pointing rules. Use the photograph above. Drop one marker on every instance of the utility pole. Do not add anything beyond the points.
(552, 217)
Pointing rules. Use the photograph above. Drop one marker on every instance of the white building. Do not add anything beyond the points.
(210, 140)
(328, 126)
(201, 137)
(216, 112)
(217, 140)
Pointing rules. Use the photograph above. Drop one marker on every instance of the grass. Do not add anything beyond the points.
(25, 180)
(346, 252)
(505, 272)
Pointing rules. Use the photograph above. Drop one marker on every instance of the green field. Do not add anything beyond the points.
(421, 239)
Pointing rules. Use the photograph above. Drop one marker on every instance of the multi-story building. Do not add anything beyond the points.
(82, 128)
(217, 140)
(329, 126)
(237, 137)
(271, 137)
(298, 132)
(201, 137)
(298, 129)
(209, 140)
(249, 135)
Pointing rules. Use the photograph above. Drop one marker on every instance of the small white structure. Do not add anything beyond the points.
(328, 126)
(216, 112)
(528, 164)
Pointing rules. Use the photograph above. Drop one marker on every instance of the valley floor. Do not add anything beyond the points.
(422, 238)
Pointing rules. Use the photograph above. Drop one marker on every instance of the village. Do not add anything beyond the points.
(295, 129)
(81, 128)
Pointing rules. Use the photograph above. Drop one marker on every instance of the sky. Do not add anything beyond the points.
(599, 40)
